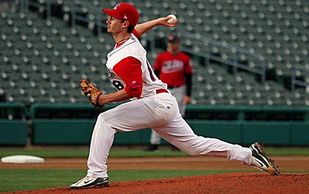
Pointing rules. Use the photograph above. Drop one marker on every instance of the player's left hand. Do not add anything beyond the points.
(186, 99)
(90, 90)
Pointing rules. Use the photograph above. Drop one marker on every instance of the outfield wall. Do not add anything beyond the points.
(55, 132)
(62, 124)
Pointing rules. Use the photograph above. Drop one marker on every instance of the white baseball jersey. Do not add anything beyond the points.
(133, 48)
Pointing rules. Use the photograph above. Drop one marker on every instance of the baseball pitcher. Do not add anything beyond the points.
(151, 104)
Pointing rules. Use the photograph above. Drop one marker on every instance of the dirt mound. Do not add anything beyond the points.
(223, 183)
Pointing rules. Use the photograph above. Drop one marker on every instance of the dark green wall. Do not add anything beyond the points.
(72, 124)
(59, 131)
(299, 134)
(13, 132)
(228, 131)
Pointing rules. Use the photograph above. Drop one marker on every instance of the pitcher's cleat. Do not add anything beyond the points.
(261, 161)
(89, 182)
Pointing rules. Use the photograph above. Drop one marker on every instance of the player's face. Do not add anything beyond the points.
(115, 26)
(173, 46)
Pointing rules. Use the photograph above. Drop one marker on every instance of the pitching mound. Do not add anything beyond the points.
(223, 183)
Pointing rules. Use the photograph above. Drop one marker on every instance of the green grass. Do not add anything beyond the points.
(287, 151)
(29, 179)
(77, 151)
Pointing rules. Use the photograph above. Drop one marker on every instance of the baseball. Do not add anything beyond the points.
(173, 19)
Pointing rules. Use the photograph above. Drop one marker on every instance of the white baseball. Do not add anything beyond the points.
(173, 19)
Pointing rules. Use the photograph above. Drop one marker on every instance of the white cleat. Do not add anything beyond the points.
(89, 182)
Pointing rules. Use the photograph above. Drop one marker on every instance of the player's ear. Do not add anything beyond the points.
(125, 24)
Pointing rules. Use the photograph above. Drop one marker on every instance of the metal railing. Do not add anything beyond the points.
(295, 81)
(233, 60)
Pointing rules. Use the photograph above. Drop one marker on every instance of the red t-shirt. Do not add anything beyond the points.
(173, 68)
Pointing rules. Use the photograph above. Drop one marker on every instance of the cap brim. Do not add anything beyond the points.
(173, 41)
(111, 12)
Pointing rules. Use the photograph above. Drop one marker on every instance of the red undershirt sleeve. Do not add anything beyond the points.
(130, 71)
(136, 34)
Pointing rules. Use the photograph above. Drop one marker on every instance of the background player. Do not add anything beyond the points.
(174, 68)
(152, 106)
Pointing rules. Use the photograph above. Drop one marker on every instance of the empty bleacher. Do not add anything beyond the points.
(43, 58)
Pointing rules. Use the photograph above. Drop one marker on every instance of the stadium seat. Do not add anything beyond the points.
(51, 52)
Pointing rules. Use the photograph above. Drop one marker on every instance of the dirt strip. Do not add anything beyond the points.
(207, 163)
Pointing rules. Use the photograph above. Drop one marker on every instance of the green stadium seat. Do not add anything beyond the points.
(50, 52)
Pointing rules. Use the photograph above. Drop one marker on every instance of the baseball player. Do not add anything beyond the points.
(174, 68)
(150, 106)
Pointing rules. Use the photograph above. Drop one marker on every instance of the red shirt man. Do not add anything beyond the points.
(174, 68)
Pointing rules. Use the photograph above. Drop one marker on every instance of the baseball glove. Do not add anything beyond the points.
(90, 90)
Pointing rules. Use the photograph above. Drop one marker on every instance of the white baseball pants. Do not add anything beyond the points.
(178, 93)
(161, 113)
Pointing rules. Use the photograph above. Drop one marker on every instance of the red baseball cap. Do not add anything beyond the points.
(123, 11)
(173, 38)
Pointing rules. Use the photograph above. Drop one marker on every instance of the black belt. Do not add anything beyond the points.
(161, 91)
(172, 87)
